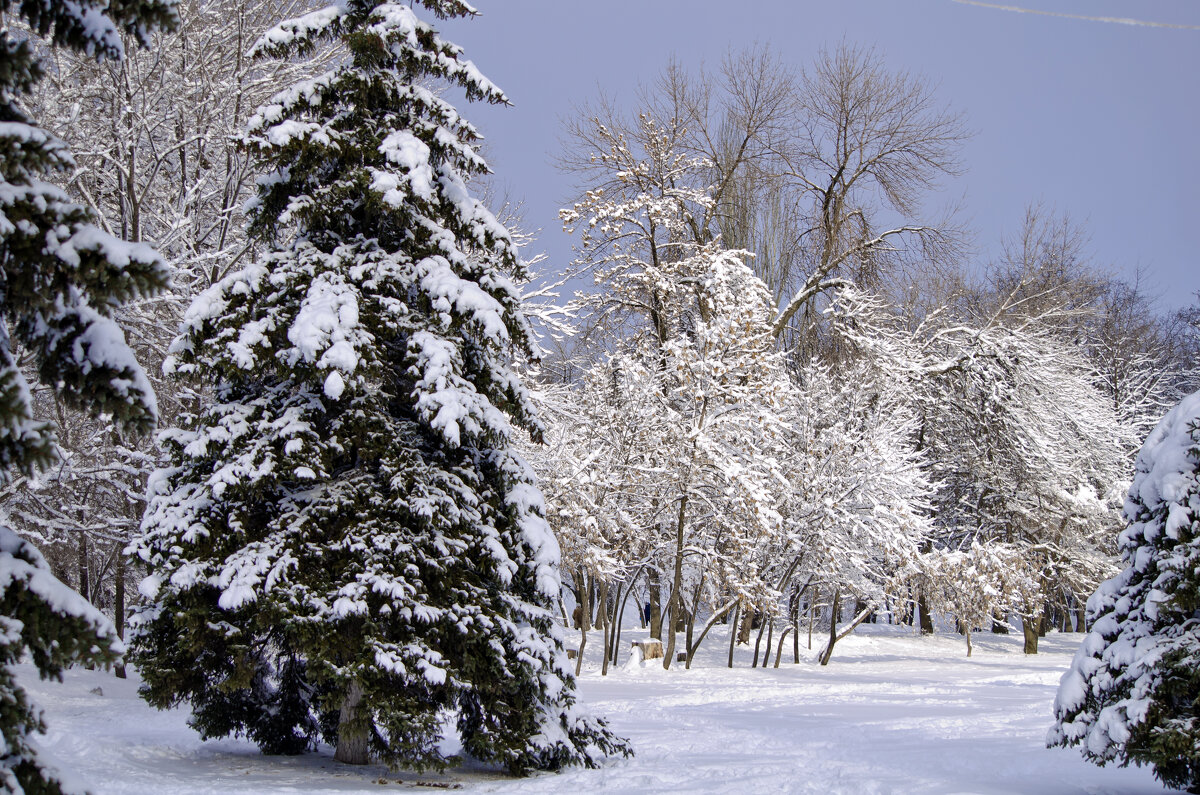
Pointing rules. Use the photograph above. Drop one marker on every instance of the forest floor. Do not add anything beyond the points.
(892, 713)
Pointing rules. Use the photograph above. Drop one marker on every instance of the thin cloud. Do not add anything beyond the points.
(1114, 20)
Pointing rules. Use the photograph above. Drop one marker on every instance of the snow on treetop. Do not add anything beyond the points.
(1165, 470)
(290, 31)
(395, 23)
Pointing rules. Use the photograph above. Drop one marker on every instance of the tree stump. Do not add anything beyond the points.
(651, 649)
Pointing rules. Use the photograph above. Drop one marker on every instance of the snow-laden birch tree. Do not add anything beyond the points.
(697, 367)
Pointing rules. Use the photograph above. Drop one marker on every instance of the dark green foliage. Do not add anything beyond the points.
(1167, 738)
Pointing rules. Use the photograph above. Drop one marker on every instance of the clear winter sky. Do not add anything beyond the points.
(1093, 118)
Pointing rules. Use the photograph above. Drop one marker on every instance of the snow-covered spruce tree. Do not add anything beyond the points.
(346, 544)
(1132, 691)
(60, 281)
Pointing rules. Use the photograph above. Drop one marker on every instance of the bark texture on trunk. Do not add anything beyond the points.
(923, 609)
(119, 609)
(352, 736)
(1030, 627)
(656, 616)
(743, 633)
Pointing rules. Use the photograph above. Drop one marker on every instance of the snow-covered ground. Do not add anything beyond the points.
(891, 713)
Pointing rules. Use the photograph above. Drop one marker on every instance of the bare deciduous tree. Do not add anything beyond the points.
(869, 145)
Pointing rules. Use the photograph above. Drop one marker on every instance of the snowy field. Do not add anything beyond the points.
(893, 713)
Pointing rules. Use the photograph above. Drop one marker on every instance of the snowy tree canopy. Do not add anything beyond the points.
(1131, 692)
(345, 544)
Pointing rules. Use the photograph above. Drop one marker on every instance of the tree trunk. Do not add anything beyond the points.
(591, 594)
(762, 627)
(743, 633)
(1030, 627)
(795, 632)
(999, 623)
(616, 646)
(655, 605)
(673, 618)
(602, 604)
(642, 606)
(733, 631)
(833, 622)
(83, 565)
(967, 633)
(721, 614)
(690, 625)
(352, 737)
(812, 614)
(119, 608)
(923, 609)
(585, 621)
(782, 638)
(835, 636)
(675, 603)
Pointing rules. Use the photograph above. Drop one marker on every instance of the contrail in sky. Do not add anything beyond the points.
(1115, 20)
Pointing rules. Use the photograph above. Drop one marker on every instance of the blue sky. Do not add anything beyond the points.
(1096, 119)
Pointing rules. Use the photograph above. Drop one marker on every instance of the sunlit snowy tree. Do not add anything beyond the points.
(346, 544)
(698, 367)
